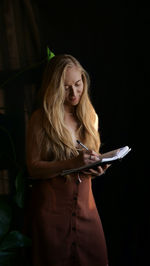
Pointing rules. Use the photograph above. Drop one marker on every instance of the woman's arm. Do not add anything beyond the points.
(37, 167)
(40, 169)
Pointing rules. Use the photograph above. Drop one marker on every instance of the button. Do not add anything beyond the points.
(75, 198)
(73, 257)
(73, 214)
(74, 244)
(77, 182)
(73, 229)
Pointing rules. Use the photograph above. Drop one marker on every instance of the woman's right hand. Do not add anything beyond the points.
(88, 157)
(85, 157)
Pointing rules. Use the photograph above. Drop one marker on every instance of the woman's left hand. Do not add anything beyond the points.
(99, 171)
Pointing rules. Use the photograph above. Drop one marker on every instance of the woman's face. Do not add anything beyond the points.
(73, 85)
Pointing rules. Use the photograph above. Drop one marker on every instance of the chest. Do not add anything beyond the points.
(73, 126)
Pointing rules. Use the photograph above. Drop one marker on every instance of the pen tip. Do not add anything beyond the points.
(78, 141)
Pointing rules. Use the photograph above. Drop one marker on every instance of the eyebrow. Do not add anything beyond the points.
(78, 80)
(75, 82)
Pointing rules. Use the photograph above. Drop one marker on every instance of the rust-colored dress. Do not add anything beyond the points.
(64, 223)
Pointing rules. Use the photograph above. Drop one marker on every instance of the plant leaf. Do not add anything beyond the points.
(5, 217)
(50, 54)
(7, 258)
(7, 138)
(15, 239)
(20, 188)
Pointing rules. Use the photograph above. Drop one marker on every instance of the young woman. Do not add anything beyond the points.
(64, 223)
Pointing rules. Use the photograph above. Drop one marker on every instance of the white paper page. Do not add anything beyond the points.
(115, 154)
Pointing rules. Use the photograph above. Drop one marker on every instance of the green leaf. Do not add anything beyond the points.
(15, 240)
(6, 140)
(20, 188)
(5, 217)
(7, 258)
(50, 54)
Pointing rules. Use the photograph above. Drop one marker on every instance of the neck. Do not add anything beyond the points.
(69, 109)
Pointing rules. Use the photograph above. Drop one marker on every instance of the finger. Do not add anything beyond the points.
(101, 170)
(91, 152)
(95, 154)
(106, 166)
(91, 173)
(97, 172)
(93, 158)
(94, 172)
(86, 172)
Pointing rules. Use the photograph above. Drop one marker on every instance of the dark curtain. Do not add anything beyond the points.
(19, 34)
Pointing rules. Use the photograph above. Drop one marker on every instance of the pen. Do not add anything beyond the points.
(80, 143)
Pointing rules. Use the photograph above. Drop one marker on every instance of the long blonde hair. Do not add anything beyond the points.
(56, 138)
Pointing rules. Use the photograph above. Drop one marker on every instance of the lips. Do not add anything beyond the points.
(73, 99)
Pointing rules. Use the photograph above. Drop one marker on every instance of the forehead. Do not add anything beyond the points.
(72, 74)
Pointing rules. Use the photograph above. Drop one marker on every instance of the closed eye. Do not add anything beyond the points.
(78, 83)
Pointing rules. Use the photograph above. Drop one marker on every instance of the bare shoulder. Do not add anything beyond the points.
(96, 122)
(36, 119)
(36, 115)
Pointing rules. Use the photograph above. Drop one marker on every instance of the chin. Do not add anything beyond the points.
(74, 103)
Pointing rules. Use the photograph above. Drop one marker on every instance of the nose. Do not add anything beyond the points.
(72, 91)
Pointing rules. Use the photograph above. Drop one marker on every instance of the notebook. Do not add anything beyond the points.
(105, 158)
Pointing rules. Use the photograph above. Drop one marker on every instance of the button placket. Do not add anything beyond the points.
(74, 217)
(73, 228)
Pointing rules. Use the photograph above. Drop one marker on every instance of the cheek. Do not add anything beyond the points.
(80, 91)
